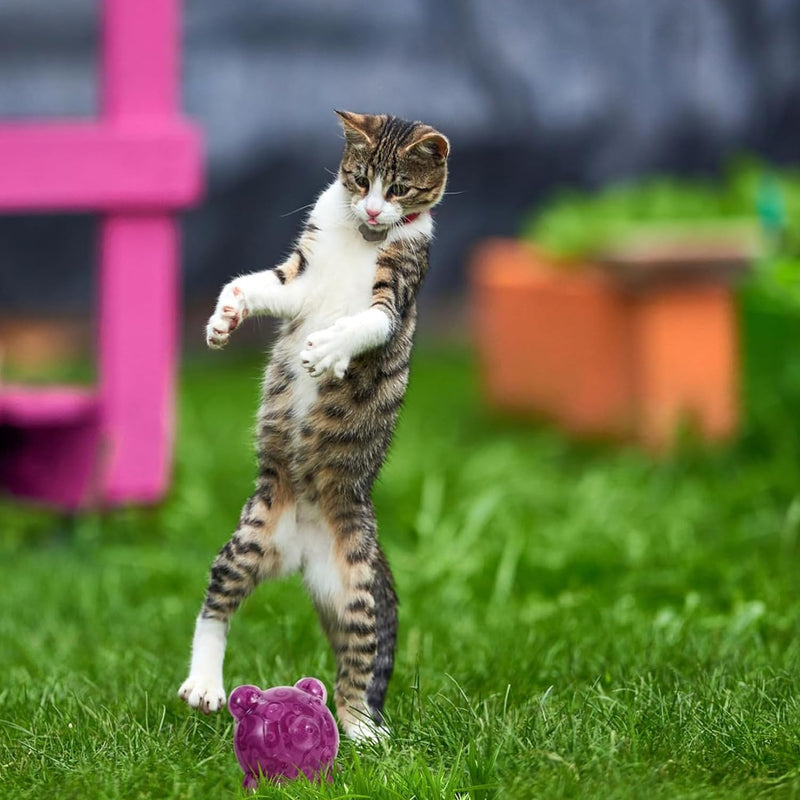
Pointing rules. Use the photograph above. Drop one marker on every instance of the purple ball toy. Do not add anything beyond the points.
(283, 731)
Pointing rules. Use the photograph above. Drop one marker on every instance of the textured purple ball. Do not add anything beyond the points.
(280, 732)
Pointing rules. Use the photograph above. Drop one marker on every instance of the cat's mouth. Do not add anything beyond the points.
(374, 222)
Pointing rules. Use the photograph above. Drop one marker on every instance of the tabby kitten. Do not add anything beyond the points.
(331, 396)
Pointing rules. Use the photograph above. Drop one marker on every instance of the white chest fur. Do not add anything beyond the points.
(335, 311)
(340, 273)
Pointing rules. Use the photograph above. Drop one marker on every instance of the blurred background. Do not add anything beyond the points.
(535, 95)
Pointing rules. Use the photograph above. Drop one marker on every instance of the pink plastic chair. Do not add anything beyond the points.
(136, 165)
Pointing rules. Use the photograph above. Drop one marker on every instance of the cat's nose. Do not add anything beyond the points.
(373, 212)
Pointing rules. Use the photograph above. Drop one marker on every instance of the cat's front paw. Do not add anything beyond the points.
(329, 350)
(205, 693)
(229, 313)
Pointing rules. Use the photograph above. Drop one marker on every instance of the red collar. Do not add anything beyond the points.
(410, 217)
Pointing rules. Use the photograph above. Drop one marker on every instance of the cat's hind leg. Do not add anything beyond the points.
(385, 598)
(352, 588)
(255, 552)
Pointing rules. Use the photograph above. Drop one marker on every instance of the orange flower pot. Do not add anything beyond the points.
(630, 348)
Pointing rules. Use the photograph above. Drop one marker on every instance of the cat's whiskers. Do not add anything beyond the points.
(297, 210)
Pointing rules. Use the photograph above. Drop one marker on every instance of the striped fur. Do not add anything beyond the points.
(332, 393)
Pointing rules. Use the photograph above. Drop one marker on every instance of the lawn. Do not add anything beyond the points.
(576, 620)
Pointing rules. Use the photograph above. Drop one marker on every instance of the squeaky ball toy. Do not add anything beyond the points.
(280, 732)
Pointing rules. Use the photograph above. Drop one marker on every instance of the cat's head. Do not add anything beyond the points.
(391, 169)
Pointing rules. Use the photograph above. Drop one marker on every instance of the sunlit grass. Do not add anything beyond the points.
(576, 620)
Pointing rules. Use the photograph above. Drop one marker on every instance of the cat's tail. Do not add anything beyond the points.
(386, 624)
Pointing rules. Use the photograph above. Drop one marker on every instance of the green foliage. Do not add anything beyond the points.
(575, 224)
(778, 278)
(576, 621)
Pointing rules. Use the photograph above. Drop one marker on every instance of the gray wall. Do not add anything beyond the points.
(534, 94)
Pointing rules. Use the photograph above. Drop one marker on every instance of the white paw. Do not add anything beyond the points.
(365, 730)
(207, 694)
(229, 313)
(329, 350)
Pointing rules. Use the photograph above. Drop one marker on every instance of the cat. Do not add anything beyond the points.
(331, 396)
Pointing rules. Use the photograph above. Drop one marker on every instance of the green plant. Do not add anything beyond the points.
(574, 225)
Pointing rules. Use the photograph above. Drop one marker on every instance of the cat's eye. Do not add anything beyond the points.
(398, 189)
(362, 181)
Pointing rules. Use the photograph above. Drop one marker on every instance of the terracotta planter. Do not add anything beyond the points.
(631, 347)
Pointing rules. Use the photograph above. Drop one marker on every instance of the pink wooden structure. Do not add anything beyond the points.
(136, 166)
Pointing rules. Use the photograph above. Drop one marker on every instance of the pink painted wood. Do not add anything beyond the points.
(138, 345)
(49, 443)
(39, 406)
(137, 164)
(86, 166)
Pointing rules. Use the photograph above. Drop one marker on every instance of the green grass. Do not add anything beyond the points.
(576, 620)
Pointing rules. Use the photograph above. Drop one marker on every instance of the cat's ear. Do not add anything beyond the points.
(429, 143)
(359, 129)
